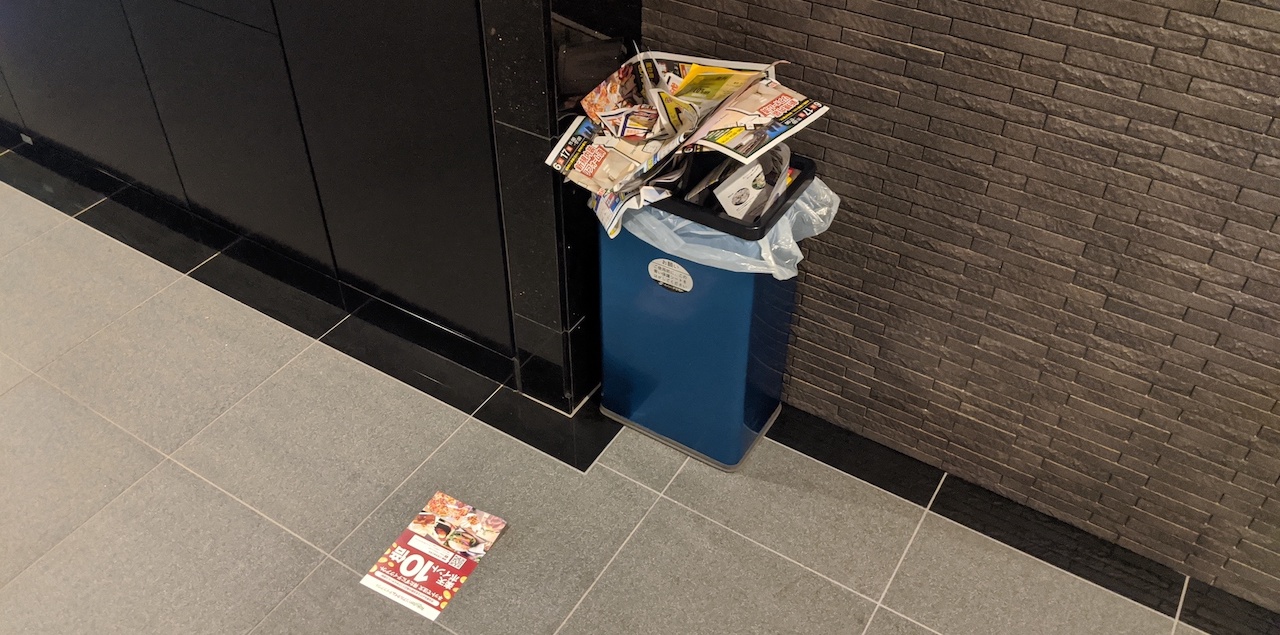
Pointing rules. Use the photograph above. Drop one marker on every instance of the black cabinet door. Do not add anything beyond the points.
(224, 97)
(252, 12)
(393, 103)
(75, 76)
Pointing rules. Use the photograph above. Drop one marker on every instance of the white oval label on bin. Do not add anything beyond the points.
(671, 275)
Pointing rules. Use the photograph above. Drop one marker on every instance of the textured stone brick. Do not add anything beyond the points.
(1074, 111)
(1257, 39)
(930, 21)
(1127, 9)
(1082, 76)
(1008, 40)
(1056, 270)
(1216, 71)
(1108, 45)
(979, 14)
(1138, 32)
(913, 52)
(1249, 15)
(965, 48)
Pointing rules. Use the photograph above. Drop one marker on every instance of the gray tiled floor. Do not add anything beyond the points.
(293, 466)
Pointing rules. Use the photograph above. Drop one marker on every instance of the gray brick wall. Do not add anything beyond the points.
(1057, 268)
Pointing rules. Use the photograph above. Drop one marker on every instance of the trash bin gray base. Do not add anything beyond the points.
(689, 451)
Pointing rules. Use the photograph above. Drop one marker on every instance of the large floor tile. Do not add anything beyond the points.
(11, 373)
(167, 369)
(681, 573)
(320, 444)
(23, 218)
(823, 518)
(960, 582)
(59, 464)
(562, 527)
(172, 555)
(332, 601)
(644, 459)
(887, 623)
(62, 287)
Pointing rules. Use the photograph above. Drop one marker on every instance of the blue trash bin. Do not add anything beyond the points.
(693, 355)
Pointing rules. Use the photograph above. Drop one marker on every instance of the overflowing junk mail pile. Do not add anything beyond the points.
(664, 125)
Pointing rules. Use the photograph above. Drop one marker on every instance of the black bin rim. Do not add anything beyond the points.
(713, 216)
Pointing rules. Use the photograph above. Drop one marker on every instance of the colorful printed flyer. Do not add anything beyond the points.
(426, 566)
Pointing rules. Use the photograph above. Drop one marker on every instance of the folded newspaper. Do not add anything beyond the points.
(660, 105)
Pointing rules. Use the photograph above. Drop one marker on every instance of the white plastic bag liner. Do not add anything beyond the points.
(778, 253)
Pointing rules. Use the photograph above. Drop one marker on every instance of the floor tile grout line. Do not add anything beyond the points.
(19, 365)
(526, 443)
(832, 467)
(109, 324)
(102, 416)
(493, 394)
(615, 471)
(905, 551)
(239, 401)
(126, 313)
(362, 575)
(1177, 616)
(596, 461)
(251, 507)
(98, 202)
(772, 550)
(82, 524)
(622, 546)
(203, 263)
(288, 595)
(344, 565)
(945, 474)
(903, 616)
(66, 218)
(262, 383)
(784, 556)
(395, 489)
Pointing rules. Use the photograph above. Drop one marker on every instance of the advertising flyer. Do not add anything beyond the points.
(427, 565)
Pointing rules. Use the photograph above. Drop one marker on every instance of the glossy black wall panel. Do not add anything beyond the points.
(8, 109)
(392, 96)
(518, 45)
(257, 13)
(75, 76)
(223, 94)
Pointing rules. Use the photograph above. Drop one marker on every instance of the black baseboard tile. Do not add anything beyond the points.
(575, 440)
(855, 455)
(401, 345)
(275, 285)
(9, 136)
(1217, 612)
(56, 179)
(440, 340)
(1104, 563)
(157, 228)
